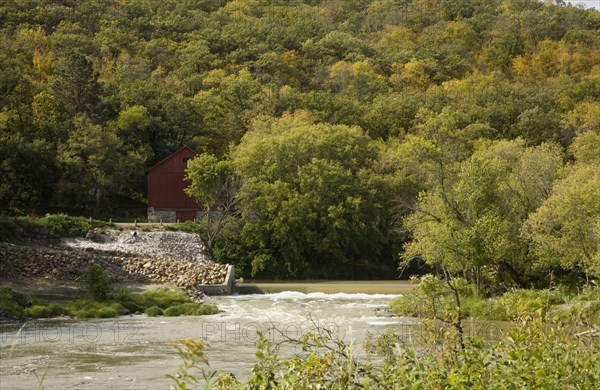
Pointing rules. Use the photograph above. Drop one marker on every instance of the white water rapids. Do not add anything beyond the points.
(135, 352)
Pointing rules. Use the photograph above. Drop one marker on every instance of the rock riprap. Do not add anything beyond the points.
(71, 263)
(156, 245)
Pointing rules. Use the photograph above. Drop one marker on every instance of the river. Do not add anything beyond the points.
(135, 352)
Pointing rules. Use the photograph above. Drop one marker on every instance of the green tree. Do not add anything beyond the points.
(311, 208)
(391, 115)
(75, 85)
(215, 185)
(565, 230)
(471, 224)
(94, 166)
(28, 175)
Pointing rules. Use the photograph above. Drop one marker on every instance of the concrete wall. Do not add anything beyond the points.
(170, 216)
(221, 289)
(166, 216)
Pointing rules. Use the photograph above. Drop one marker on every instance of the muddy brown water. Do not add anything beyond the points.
(136, 352)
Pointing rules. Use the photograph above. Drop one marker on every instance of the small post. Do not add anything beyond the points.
(135, 222)
(177, 220)
(161, 222)
(110, 220)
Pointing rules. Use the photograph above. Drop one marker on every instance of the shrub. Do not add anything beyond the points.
(153, 311)
(107, 312)
(527, 357)
(10, 227)
(45, 311)
(13, 301)
(173, 311)
(187, 226)
(194, 309)
(67, 226)
(92, 309)
(129, 300)
(189, 309)
(508, 306)
(164, 298)
(516, 304)
(206, 310)
(97, 283)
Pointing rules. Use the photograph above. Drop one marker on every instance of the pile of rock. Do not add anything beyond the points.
(156, 245)
(71, 264)
(182, 273)
(57, 264)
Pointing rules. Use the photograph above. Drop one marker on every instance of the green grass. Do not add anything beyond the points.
(152, 303)
(164, 298)
(173, 311)
(87, 308)
(68, 226)
(13, 228)
(46, 311)
(12, 301)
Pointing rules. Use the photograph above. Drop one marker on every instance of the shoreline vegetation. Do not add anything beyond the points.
(348, 139)
(98, 297)
(558, 305)
(529, 355)
(553, 340)
(17, 306)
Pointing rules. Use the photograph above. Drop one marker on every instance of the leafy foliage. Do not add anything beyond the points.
(308, 198)
(470, 221)
(332, 119)
(13, 301)
(97, 283)
(152, 303)
(68, 226)
(527, 355)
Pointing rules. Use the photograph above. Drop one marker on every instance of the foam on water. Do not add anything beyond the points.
(140, 348)
(382, 323)
(295, 295)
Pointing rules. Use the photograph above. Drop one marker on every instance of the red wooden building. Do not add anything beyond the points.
(167, 201)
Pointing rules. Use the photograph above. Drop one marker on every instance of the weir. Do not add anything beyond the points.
(326, 286)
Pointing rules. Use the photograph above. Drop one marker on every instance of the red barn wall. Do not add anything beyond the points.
(166, 185)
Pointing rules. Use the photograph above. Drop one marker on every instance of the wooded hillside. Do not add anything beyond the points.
(469, 129)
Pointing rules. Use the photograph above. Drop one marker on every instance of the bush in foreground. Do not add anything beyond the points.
(529, 356)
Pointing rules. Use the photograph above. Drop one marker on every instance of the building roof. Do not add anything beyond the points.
(185, 147)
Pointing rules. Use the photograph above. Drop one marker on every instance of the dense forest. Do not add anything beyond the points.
(340, 135)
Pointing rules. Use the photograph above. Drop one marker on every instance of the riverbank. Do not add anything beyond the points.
(65, 261)
(97, 299)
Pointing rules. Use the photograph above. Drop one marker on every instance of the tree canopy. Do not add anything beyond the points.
(341, 123)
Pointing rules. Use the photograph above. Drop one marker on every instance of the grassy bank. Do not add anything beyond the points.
(120, 302)
(16, 229)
